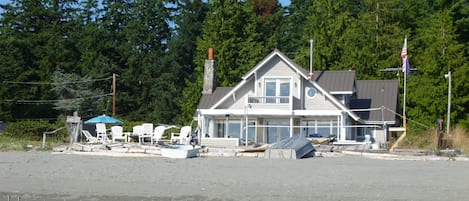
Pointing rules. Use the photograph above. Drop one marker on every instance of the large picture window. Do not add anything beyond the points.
(325, 128)
(277, 130)
(230, 128)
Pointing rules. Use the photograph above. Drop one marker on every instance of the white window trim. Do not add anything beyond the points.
(278, 80)
(307, 94)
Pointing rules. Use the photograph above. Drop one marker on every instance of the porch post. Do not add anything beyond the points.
(246, 123)
(291, 125)
(227, 116)
(338, 127)
(343, 133)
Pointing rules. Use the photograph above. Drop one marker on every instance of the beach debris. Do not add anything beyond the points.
(256, 148)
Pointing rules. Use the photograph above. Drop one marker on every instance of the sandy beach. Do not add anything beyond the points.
(52, 176)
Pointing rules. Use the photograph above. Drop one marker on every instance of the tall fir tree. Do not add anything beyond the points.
(188, 16)
(36, 35)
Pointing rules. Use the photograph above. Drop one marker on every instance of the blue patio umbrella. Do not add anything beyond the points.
(104, 119)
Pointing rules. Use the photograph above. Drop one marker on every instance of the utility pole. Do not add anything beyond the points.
(113, 95)
(448, 76)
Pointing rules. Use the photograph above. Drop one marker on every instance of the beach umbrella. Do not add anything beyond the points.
(104, 119)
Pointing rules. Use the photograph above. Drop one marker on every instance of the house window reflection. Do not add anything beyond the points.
(278, 89)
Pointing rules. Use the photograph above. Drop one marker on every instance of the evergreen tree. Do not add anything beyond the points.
(294, 27)
(241, 33)
(437, 53)
(35, 37)
(75, 93)
(188, 18)
(145, 79)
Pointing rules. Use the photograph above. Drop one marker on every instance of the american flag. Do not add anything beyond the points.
(405, 59)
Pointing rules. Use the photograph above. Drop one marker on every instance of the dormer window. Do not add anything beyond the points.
(278, 89)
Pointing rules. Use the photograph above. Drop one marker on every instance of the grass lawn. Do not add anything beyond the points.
(8, 143)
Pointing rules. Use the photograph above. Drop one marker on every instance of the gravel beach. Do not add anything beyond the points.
(52, 176)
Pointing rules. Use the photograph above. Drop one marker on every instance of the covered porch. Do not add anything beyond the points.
(271, 126)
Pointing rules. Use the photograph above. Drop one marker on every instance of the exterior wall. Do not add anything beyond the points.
(319, 102)
(240, 94)
(276, 68)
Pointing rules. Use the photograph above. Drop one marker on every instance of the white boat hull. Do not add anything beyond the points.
(180, 151)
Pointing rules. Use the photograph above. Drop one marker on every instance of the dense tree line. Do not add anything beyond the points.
(67, 50)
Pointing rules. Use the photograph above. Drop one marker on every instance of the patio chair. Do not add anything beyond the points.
(147, 132)
(183, 136)
(158, 133)
(89, 138)
(101, 133)
(137, 131)
(117, 134)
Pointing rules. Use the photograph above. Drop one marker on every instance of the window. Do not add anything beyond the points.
(311, 92)
(251, 131)
(277, 130)
(279, 89)
(325, 128)
(232, 127)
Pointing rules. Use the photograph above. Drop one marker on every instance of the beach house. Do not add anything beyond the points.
(278, 98)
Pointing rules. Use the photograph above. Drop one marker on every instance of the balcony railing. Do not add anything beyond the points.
(269, 100)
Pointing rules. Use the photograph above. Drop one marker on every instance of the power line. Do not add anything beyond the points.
(57, 83)
(55, 100)
(423, 125)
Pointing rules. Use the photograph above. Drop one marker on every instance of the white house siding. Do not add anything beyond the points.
(319, 102)
(239, 96)
(277, 68)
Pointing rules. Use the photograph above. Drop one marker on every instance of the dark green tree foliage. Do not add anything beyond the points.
(155, 63)
(437, 53)
(145, 76)
(188, 18)
(294, 27)
(327, 22)
(91, 41)
(35, 41)
(241, 33)
(222, 32)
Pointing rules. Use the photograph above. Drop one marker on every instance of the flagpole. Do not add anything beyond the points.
(404, 122)
(405, 70)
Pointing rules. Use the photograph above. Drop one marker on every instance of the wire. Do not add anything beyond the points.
(54, 100)
(420, 124)
(57, 83)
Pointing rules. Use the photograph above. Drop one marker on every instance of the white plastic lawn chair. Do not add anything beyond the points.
(183, 136)
(137, 131)
(117, 134)
(158, 133)
(89, 138)
(147, 132)
(101, 133)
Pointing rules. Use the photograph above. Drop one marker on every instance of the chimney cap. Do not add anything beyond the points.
(210, 54)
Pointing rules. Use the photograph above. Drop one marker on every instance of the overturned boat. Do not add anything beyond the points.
(295, 147)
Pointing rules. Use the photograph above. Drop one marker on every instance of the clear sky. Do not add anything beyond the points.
(283, 2)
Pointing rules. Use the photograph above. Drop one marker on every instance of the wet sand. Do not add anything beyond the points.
(51, 176)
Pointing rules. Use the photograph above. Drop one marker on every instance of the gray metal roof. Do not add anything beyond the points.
(335, 81)
(373, 94)
(208, 100)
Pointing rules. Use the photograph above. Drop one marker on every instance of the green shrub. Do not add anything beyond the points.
(32, 130)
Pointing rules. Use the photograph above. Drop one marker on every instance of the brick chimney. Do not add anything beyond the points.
(209, 73)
